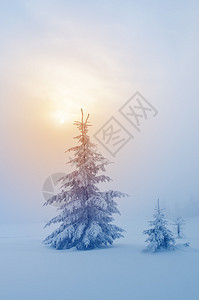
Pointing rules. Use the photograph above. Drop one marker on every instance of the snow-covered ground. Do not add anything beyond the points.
(30, 270)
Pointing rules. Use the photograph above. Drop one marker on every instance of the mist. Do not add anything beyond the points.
(63, 56)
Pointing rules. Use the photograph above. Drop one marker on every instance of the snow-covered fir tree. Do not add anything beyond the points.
(159, 236)
(85, 212)
(179, 224)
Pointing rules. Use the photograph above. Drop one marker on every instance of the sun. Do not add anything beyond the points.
(62, 120)
(61, 117)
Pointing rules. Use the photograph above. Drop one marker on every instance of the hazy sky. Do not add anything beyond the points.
(59, 56)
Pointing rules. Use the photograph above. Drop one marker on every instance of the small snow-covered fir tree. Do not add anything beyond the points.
(160, 237)
(179, 223)
(85, 212)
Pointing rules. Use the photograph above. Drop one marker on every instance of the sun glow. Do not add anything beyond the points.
(62, 121)
(69, 90)
(61, 116)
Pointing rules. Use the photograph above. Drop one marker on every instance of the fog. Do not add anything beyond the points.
(57, 57)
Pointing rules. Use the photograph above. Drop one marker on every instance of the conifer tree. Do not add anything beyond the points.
(179, 223)
(85, 212)
(160, 237)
